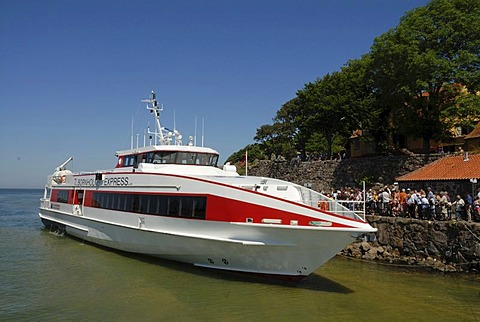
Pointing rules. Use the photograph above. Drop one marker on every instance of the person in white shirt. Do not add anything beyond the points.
(459, 207)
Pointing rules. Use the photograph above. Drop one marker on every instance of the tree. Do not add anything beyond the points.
(324, 113)
(326, 106)
(357, 90)
(284, 137)
(418, 66)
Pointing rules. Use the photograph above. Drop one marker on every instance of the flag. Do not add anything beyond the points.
(244, 162)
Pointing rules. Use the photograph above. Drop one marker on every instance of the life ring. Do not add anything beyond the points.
(63, 179)
(323, 205)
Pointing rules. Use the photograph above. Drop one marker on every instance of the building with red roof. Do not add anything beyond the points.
(454, 173)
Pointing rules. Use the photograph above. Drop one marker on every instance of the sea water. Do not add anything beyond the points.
(50, 277)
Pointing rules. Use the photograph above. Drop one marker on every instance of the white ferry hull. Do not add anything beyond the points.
(293, 252)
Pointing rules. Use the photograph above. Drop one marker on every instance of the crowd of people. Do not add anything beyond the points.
(412, 203)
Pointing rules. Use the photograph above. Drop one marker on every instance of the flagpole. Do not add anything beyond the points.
(246, 163)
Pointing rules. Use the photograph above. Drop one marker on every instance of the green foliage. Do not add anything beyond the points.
(420, 78)
(255, 152)
(416, 65)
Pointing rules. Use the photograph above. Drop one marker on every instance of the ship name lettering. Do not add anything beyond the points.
(84, 182)
(116, 181)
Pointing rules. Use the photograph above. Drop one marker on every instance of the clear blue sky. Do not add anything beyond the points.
(73, 72)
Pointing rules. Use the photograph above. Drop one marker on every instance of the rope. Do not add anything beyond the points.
(465, 225)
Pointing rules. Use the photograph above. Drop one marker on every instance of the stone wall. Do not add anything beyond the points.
(332, 174)
(442, 245)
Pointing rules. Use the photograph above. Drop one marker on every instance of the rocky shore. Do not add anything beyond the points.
(447, 246)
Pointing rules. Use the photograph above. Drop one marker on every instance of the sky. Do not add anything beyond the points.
(73, 72)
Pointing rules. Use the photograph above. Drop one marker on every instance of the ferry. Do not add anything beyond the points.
(171, 200)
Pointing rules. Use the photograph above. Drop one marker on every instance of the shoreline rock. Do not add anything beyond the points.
(446, 246)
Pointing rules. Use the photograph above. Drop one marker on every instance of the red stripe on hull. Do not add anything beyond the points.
(224, 209)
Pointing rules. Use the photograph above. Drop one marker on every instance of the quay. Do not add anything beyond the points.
(412, 237)
(447, 246)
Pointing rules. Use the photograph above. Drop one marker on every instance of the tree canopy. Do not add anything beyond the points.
(420, 79)
(421, 67)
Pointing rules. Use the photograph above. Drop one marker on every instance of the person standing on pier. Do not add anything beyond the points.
(459, 208)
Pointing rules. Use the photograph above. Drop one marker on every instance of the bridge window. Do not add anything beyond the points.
(175, 157)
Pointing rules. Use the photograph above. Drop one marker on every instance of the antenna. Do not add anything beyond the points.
(131, 136)
(203, 130)
(195, 136)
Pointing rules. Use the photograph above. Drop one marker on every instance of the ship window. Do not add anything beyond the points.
(203, 159)
(163, 157)
(135, 203)
(62, 196)
(161, 205)
(144, 204)
(214, 160)
(114, 201)
(127, 202)
(96, 202)
(185, 158)
(148, 157)
(187, 207)
(129, 160)
(199, 207)
(175, 206)
(106, 201)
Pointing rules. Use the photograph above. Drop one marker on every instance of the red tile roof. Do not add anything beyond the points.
(447, 168)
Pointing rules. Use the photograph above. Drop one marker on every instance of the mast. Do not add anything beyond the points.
(152, 106)
(164, 135)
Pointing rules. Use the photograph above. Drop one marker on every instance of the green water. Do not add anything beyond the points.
(44, 277)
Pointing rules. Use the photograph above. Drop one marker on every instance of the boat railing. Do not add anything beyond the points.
(353, 205)
(44, 203)
(350, 209)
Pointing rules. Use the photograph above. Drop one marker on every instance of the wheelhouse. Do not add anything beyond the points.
(168, 157)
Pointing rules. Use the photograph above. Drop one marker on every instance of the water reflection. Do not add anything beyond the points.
(313, 282)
